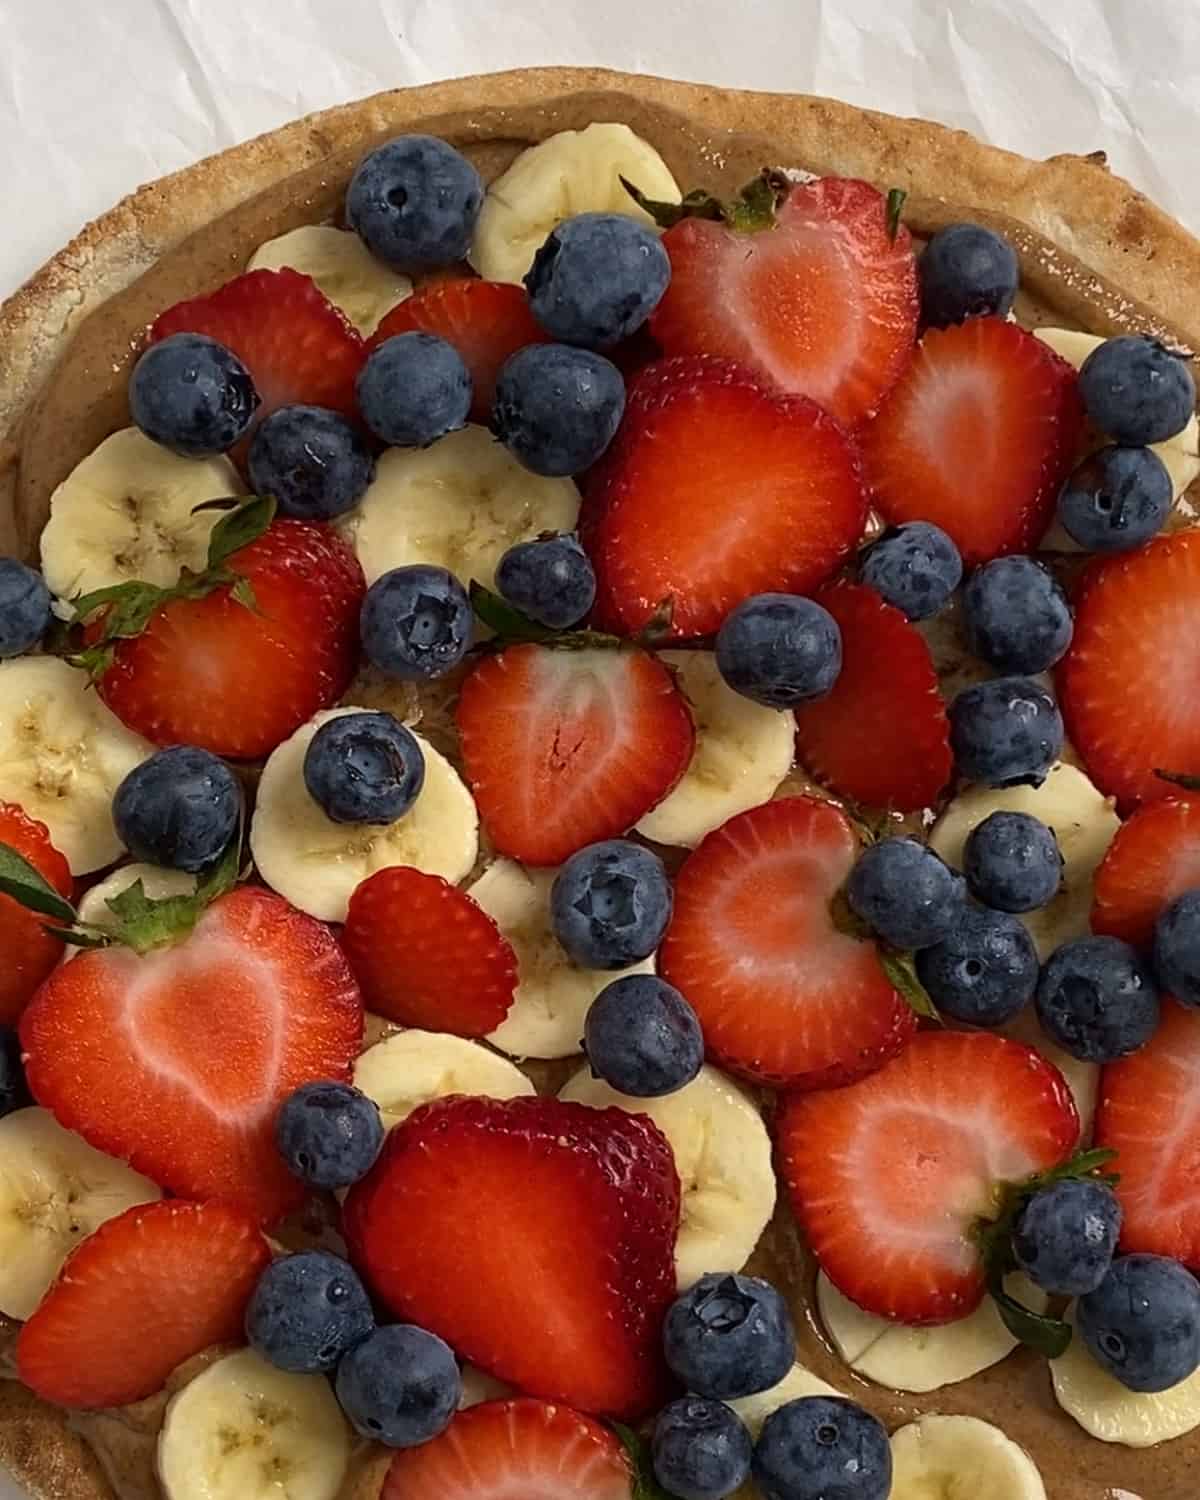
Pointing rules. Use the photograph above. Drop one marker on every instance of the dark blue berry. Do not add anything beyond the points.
(916, 567)
(610, 904)
(551, 580)
(701, 1449)
(1015, 616)
(24, 607)
(416, 622)
(414, 389)
(1177, 948)
(729, 1336)
(966, 271)
(823, 1448)
(1012, 862)
(1142, 1323)
(985, 972)
(780, 650)
(192, 395)
(1116, 499)
(400, 1386)
(14, 1091)
(329, 1134)
(413, 201)
(311, 460)
(1066, 1236)
(642, 1037)
(307, 1311)
(906, 893)
(1136, 390)
(597, 278)
(557, 408)
(180, 808)
(364, 768)
(1005, 732)
(1097, 999)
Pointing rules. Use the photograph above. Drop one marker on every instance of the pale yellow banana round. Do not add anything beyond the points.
(157, 882)
(797, 1383)
(1112, 1412)
(961, 1458)
(342, 266)
(413, 1067)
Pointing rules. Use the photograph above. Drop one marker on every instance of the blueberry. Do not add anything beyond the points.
(729, 1336)
(551, 580)
(906, 893)
(1005, 732)
(14, 1092)
(1066, 1236)
(642, 1037)
(701, 1449)
(823, 1448)
(1116, 499)
(311, 461)
(413, 201)
(1142, 1323)
(329, 1134)
(364, 768)
(1177, 948)
(915, 567)
(24, 607)
(192, 395)
(307, 1311)
(1012, 862)
(416, 623)
(179, 808)
(985, 972)
(414, 389)
(597, 278)
(965, 271)
(779, 650)
(400, 1386)
(1136, 390)
(610, 904)
(557, 408)
(1097, 999)
(1015, 616)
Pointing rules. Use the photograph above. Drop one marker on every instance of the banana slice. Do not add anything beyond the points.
(413, 1067)
(743, 751)
(55, 1190)
(342, 266)
(128, 511)
(553, 996)
(316, 863)
(723, 1156)
(1112, 1412)
(1084, 822)
(573, 172)
(243, 1429)
(157, 882)
(920, 1359)
(461, 504)
(798, 1382)
(63, 755)
(951, 1458)
(478, 1386)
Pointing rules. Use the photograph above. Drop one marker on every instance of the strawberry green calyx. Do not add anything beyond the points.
(1182, 779)
(752, 210)
(511, 627)
(637, 1450)
(895, 205)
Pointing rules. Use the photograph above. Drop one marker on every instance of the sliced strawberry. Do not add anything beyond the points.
(146, 1291)
(1154, 858)
(1148, 1112)
(535, 1236)
(714, 489)
(562, 748)
(514, 1450)
(881, 737)
(235, 680)
(27, 951)
(977, 435)
(887, 1176)
(295, 343)
(1128, 681)
(177, 1060)
(486, 321)
(782, 995)
(824, 303)
(427, 955)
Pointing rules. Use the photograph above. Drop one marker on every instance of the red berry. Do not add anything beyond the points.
(27, 951)
(1154, 858)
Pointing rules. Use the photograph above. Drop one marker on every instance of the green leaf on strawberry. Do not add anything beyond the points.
(511, 627)
(901, 970)
(1180, 779)
(895, 205)
(637, 1450)
(24, 884)
(753, 208)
